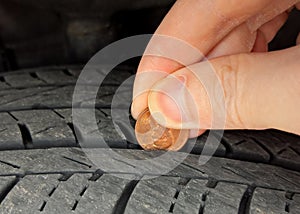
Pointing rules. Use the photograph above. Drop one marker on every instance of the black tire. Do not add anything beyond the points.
(252, 171)
(62, 180)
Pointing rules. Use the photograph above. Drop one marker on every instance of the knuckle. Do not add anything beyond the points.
(231, 76)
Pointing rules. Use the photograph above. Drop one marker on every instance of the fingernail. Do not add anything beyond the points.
(171, 98)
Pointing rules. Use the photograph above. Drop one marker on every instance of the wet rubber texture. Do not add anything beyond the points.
(43, 168)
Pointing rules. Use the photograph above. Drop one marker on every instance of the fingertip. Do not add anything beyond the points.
(138, 105)
(134, 112)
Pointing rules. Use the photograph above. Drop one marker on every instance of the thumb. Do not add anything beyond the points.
(260, 90)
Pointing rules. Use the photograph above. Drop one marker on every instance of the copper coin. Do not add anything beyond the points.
(153, 136)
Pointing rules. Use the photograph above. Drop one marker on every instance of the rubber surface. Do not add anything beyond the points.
(63, 180)
(36, 104)
(46, 171)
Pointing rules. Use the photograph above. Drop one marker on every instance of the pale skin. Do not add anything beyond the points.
(261, 88)
(234, 36)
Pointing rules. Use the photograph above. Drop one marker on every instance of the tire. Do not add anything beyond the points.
(62, 180)
(43, 168)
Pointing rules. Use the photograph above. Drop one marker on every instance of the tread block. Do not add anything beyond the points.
(270, 146)
(105, 96)
(22, 80)
(45, 161)
(81, 117)
(5, 118)
(294, 204)
(57, 77)
(52, 134)
(10, 137)
(3, 85)
(190, 197)
(152, 195)
(67, 194)
(117, 76)
(75, 71)
(55, 97)
(103, 136)
(267, 201)
(197, 147)
(283, 147)
(243, 146)
(50, 194)
(102, 194)
(249, 173)
(18, 99)
(29, 194)
(60, 180)
(224, 198)
(37, 116)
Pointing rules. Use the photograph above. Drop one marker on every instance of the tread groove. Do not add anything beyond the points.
(228, 147)
(7, 189)
(287, 207)
(10, 164)
(35, 76)
(171, 207)
(281, 151)
(211, 183)
(65, 176)
(240, 142)
(181, 185)
(67, 72)
(83, 191)
(289, 195)
(244, 207)
(72, 127)
(283, 178)
(26, 136)
(124, 198)
(77, 161)
(44, 130)
(271, 155)
(118, 160)
(232, 171)
(2, 79)
(58, 114)
(43, 206)
(202, 203)
(3, 130)
(193, 168)
(294, 150)
(96, 175)
(10, 114)
(75, 205)
(52, 191)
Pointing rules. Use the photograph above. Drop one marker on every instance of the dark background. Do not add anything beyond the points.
(37, 33)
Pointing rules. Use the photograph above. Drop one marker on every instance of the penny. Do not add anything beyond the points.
(153, 136)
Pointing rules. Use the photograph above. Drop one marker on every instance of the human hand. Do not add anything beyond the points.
(261, 89)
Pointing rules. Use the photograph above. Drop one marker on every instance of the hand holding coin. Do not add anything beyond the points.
(153, 136)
